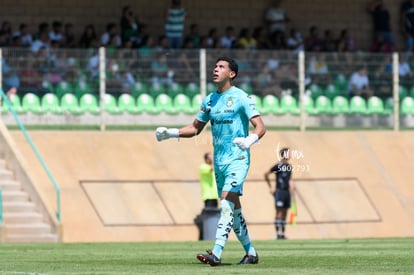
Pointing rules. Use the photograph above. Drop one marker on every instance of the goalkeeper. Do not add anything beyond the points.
(229, 110)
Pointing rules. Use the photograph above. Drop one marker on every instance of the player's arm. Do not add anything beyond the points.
(267, 179)
(191, 130)
(259, 127)
(244, 143)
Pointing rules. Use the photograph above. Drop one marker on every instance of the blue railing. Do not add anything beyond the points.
(39, 157)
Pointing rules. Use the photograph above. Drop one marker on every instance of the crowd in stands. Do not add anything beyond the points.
(272, 75)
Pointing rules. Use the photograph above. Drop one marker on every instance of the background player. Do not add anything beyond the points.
(229, 110)
(284, 189)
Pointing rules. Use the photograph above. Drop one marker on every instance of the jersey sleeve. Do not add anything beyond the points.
(203, 114)
(250, 107)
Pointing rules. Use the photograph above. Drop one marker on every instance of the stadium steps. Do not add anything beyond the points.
(21, 220)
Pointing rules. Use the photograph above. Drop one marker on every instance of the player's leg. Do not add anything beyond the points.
(279, 216)
(283, 212)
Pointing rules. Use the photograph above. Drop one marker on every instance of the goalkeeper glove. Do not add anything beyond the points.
(162, 133)
(245, 143)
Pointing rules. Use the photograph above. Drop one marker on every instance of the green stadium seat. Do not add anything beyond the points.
(89, 103)
(16, 103)
(111, 105)
(411, 92)
(50, 103)
(196, 103)
(375, 105)
(31, 103)
(69, 103)
(156, 89)
(358, 105)
(164, 103)
(403, 92)
(182, 104)
(138, 89)
(340, 105)
(315, 90)
(145, 103)
(407, 106)
(63, 88)
(341, 83)
(289, 104)
(331, 92)
(126, 104)
(323, 105)
(174, 89)
(389, 105)
(270, 104)
(47, 85)
(309, 105)
(192, 89)
(82, 87)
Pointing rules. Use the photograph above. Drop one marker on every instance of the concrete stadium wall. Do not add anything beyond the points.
(125, 186)
(334, 14)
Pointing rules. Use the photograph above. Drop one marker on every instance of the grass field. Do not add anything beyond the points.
(356, 256)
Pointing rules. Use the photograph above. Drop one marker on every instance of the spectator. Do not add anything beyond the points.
(295, 41)
(56, 33)
(42, 27)
(345, 42)
(212, 38)
(313, 41)
(380, 44)
(262, 39)
(174, 24)
(359, 83)
(381, 21)
(6, 29)
(245, 40)
(88, 37)
(25, 36)
(407, 23)
(194, 36)
(275, 18)
(329, 43)
(69, 36)
(111, 33)
(228, 39)
(41, 42)
(130, 26)
(10, 77)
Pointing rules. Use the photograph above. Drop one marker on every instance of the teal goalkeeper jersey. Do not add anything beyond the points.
(229, 114)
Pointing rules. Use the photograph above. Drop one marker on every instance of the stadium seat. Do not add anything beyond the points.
(145, 103)
(69, 103)
(192, 89)
(331, 92)
(403, 92)
(309, 105)
(315, 90)
(341, 83)
(289, 104)
(16, 103)
(375, 105)
(126, 104)
(89, 103)
(81, 88)
(340, 105)
(50, 103)
(47, 85)
(31, 103)
(358, 105)
(182, 104)
(196, 103)
(323, 105)
(174, 89)
(407, 106)
(270, 104)
(139, 88)
(63, 88)
(164, 103)
(111, 105)
(156, 89)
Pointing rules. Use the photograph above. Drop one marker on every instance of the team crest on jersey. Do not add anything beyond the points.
(229, 102)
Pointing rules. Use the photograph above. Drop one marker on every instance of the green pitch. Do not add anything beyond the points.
(355, 256)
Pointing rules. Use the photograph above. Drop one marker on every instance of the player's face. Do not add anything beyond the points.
(222, 72)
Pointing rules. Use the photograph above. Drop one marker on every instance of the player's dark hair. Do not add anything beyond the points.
(284, 153)
(232, 64)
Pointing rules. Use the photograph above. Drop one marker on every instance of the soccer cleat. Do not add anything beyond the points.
(249, 259)
(209, 258)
